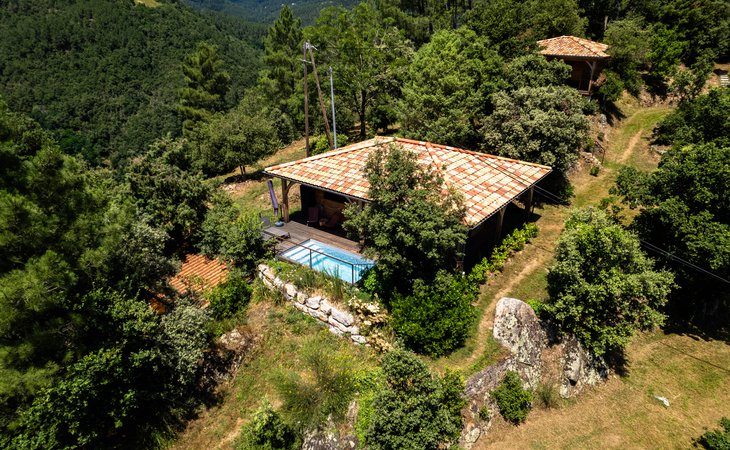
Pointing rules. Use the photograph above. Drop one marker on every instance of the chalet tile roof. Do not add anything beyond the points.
(487, 182)
(573, 46)
(199, 273)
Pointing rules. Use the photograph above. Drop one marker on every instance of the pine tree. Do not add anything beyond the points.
(282, 49)
(206, 86)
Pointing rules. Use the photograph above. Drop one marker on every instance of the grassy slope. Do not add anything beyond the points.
(283, 332)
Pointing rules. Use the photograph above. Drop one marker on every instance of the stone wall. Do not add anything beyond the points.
(339, 321)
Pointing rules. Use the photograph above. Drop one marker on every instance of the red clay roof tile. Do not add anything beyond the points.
(487, 182)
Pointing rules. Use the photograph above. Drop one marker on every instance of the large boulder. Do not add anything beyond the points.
(517, 327)
(580, 368)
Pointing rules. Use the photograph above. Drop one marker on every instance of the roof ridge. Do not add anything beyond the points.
(582, 43)
(346, 149)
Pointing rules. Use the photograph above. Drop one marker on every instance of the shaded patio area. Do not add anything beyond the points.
(299, 232)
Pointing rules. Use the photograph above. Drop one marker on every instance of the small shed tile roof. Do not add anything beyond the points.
(199, 273)
(568, 46)
(487, 182)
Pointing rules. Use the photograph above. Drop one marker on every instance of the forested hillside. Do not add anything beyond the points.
(103, 75)
(266, 11)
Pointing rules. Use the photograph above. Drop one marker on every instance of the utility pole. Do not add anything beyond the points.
(332, 97)
(306, 102)
(321, 99)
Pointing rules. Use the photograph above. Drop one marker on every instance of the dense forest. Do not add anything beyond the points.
(104, 75)
(115, 115)
(268, 11)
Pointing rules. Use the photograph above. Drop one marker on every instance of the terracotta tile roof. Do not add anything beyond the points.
(199, 273)
(573, 46)
(487, 182)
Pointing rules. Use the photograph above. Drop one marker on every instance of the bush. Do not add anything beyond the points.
(547, 396)
(415, 410)
(512, 243)
(230, 297)
(595, 170)
(436, 318)
(322, 145)
(513, 400)
(267, 431)
(717, 439)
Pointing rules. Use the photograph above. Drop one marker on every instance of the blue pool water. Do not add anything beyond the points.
(334, 261)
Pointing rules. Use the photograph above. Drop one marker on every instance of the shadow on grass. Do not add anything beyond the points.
(256, 175)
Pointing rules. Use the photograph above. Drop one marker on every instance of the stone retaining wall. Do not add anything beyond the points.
(339, 322)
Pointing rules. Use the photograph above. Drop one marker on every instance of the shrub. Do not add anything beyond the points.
(369, 383)
(415, 410)
(547, 396)
(230, 297)
(717, 439)
(322, 145)
(485, 413)
(536, 306)
(512, 243)
(595, 170)
(267, 431)
(436, 318)
(513, 400)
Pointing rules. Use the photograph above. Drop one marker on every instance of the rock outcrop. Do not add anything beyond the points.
(517, 327)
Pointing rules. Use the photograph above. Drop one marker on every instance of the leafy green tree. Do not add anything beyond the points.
(411, 224)
(449, 83)
(689, 83)
(233, 237)
(629, 46)
(697, 121)
(666, 49)
(166, 193)
(684, 210)
(513, 27)
(436, 318)
(416, 410)
(543, 125)
(370, 56)
(602, 287)
(235, 139)
(206, 84)
(513, 400)
(534, 70)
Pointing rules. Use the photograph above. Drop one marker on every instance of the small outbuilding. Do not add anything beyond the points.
(490, 184)
(585, 57)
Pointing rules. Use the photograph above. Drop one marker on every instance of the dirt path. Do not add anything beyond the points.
(630, 148)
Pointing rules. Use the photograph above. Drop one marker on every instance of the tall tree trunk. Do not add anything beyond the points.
(361, 113)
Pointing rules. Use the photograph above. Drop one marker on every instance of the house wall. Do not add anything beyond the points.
(328, 202)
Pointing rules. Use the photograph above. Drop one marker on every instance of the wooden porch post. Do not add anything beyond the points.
(285, 200)
(500, 220)
(528, 203)
(592, 65)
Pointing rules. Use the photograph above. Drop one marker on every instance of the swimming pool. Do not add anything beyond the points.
(334, 261)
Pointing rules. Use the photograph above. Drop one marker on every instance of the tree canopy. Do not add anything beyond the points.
(411, 223)
(543, 125)
(602, 287)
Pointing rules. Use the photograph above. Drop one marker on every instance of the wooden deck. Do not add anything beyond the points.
(299, 232)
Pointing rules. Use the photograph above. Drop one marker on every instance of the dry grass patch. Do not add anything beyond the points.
(623, 413)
